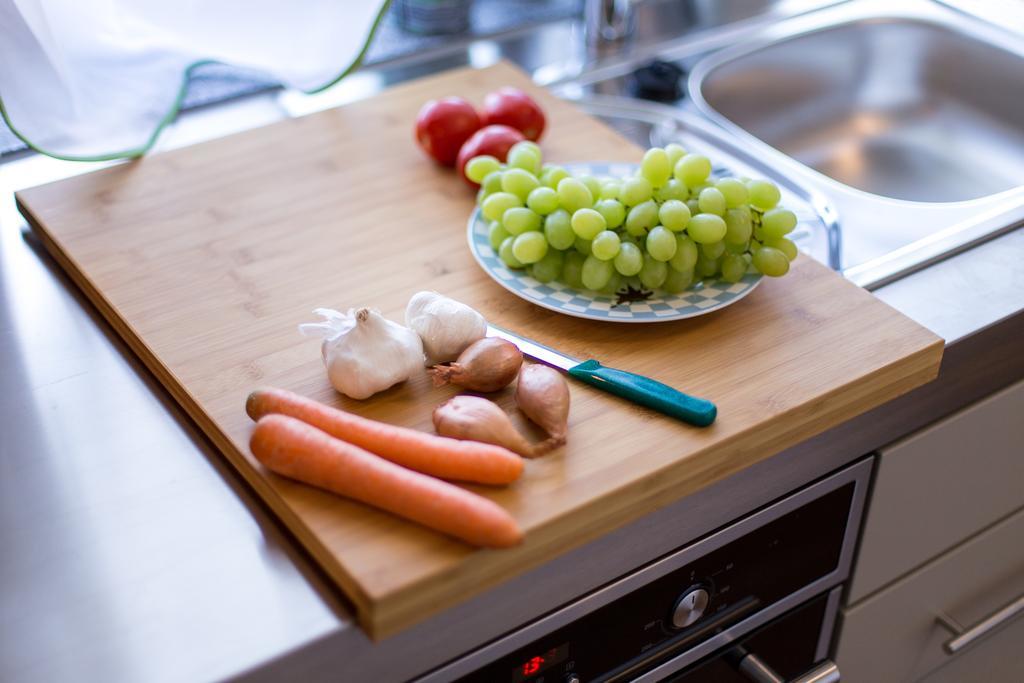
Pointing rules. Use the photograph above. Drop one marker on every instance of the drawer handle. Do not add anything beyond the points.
(755, 669)
(962, 637)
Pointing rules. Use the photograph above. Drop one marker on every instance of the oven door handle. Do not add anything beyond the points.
(754, 668)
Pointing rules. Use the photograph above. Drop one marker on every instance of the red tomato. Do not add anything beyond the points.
(494, 140)
(443, 125)
(512, 107)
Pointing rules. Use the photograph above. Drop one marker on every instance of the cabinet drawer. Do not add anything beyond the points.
(894, 635)
(940, 486)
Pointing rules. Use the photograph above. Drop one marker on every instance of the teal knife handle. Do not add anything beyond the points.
(646, 392)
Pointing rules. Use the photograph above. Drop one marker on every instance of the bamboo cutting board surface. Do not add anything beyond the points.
(206, 258)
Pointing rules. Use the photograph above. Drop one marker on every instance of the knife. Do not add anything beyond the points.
(630, 386)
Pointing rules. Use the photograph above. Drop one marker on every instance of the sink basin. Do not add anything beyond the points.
(898, 107)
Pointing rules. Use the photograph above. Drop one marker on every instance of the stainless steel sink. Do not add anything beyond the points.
(905, 116)
(908, 115)
(900, 107)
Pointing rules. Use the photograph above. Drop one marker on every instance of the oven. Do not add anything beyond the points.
(753, 601)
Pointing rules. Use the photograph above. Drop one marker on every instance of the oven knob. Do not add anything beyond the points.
(572, 678)
(690, 607)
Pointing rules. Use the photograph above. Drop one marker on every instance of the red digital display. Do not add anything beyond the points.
(533, 665)
(538, 663)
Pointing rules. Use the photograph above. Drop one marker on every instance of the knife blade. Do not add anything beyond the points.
(628, 385)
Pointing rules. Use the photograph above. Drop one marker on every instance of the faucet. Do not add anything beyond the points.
(607, 21)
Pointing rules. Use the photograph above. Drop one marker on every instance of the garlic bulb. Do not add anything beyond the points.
(364, 352)
(445, 325)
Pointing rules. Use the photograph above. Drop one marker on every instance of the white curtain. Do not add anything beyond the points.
(92, 79)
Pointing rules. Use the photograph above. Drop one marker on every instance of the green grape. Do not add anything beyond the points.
(586, 223)
(558, 229)
(524, 155)
(550, 267)
(610, 189)
(655, 166)
(706, 267)
(552, 175)
(642, 218)
(530, 247)
(778, 223)
(738, 226)
(530, 145)
(713, 250)
(574, 195)
(672, 189)
(477, 168)
(755, 246)
(734, 191)
(543, 200)
(582, 246)
(677, 281)
(771, 262)
(734, 267)
(605, 245)
(674, 215)
(653, 272)
(593, 184)
(507, 255)
(494, 207)
(764, 195)
(596, 273)
(661, 244)
(787, 247)
(635, 191)
(740, 248)
(572, 269)
(519, 182)
(519, 219)
(686, 254)
(693, 205)
(759, 233)
(629, 260)
(491, 182)
(675, 152)
(706, 228)
(613, 286)
(613, 211)
(697, 189)
(496, 234)
(711, 200)
(692, 169)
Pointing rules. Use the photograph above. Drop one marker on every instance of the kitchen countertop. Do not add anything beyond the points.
(87, 590)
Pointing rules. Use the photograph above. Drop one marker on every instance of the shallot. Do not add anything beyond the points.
(543, 396)
(477, 419)
(486, 365)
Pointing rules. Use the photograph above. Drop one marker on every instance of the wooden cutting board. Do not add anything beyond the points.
(206, 258)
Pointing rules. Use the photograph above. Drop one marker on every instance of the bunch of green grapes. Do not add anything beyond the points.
(665, 228)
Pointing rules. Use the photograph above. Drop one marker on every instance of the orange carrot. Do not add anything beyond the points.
(299, 451)
(428, 453)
